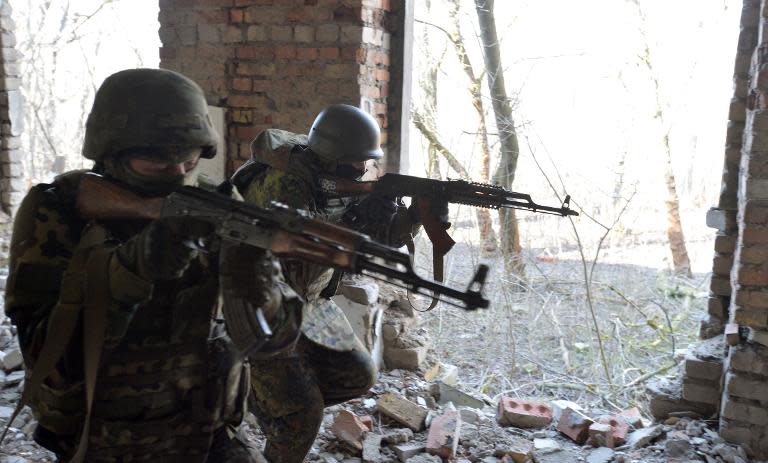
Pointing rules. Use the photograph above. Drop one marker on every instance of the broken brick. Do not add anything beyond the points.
(600, 435)
(633, 417)
(523, 413)
(619, 428)
(367, 420)
(575, 425)
(372, 448)
(348, 428)
(402, 410)
(443, 437)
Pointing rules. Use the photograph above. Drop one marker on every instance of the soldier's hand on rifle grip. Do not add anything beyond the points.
(437, 209)
(164, 249)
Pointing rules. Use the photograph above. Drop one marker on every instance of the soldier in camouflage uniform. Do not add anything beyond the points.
(126, 354)
(330, 365)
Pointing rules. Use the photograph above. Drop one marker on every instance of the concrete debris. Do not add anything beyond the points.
(601, 455)
(633, 417)
(643, 437)
(443, 436)
(372, 448)
(677, 445)
(443, 372)
(11, 360)
(458, 398)
(406, 451)
(424, 458)
(519, 450)
(362, 292)
(402, 411)
(546, 445)
(397, 436)
(600, 435)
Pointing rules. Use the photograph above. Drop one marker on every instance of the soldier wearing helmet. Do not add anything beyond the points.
(126, 354)
(329, 364)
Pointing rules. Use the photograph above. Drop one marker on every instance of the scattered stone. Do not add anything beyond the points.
(403, 411)
(601, 455)
(443, 372)
(677, 444)
(372, 448)
(523, 413)
(348, 428)
(12, 360)
(362, 292)
(406, 451)
(369, 403)
(575, 425)
(443, 437)
(469, 415)
(449, 393)
(546, 445)
(14, 378)
(519, 450)
(6, 412)
(398, 436)
(643, 437)
(424, 458)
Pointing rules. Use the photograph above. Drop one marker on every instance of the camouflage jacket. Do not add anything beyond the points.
(168, 375)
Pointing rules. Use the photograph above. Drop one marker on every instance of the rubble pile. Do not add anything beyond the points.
(414, 418)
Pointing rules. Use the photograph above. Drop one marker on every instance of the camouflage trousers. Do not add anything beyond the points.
(288, 394)
(228, 445)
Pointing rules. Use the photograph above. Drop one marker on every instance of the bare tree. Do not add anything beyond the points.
(680, 260)
(510, 149)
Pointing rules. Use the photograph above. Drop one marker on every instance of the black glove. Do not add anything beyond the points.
(372, 211)
(437, 208)
(164, 249)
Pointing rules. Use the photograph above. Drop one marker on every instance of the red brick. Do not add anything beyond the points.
(752, 277)
(367, 420)
(347, 14)
(250, 52)
(329, 52)
(236, 15)
(214, 16)
(523, 413)
(328, 87)
(632, 417)
(167, 52)
(348, 428)
(753, 235)
(600, 435)
(300, 15)
(241, 84)
(575, 425)
(285, 52)
(619, 429)
(306, 53)
(247, 132)
(443, 436)
(246, 101)
(382, 75)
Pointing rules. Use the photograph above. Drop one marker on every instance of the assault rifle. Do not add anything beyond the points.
(284, 231)
(424, 191)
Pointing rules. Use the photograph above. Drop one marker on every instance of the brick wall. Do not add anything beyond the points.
(277, 63)
(745, 397)
(12, 184)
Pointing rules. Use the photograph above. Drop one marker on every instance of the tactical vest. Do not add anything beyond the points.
(171, 379)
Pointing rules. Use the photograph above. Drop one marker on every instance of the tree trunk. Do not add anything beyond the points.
(474, 87)
(510, 149)
(680, 261)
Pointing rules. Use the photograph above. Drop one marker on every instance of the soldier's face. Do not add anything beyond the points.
(348, 169)
(173, 163)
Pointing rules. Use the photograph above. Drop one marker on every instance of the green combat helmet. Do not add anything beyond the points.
(146, 108)
(154, 113)
(345, 133)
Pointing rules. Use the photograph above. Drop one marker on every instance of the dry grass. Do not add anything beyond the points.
(538, 339)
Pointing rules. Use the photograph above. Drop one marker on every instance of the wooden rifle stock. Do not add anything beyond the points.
(98, 198)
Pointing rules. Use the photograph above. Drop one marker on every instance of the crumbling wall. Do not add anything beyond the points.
(730, 377)
(12, 184)
(277, 63)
